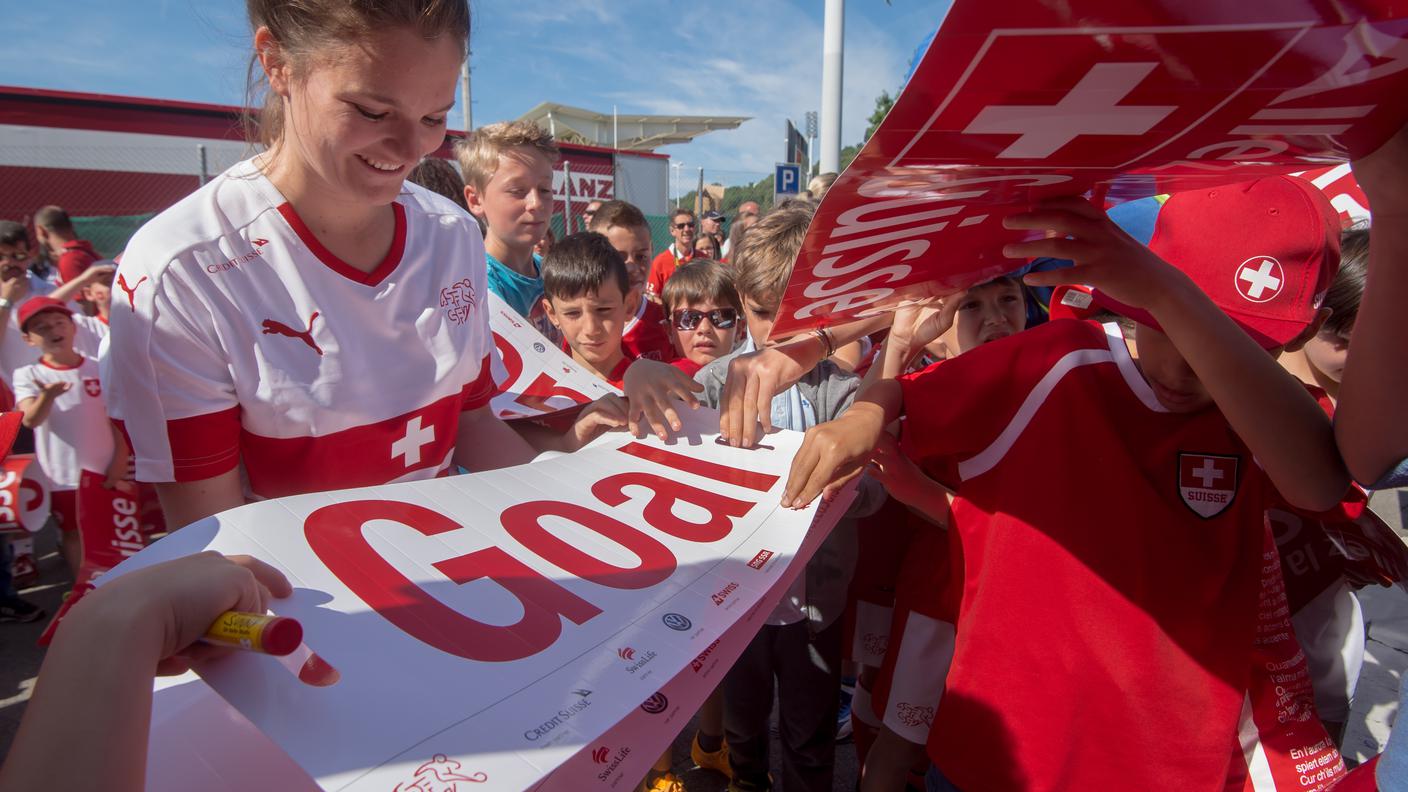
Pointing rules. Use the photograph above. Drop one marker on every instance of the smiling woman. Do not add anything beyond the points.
(267, 375)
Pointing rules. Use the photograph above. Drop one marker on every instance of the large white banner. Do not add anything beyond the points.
(549, 626)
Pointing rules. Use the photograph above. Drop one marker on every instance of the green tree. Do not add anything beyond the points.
(883, 103)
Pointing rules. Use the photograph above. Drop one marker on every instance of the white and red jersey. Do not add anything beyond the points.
(1111, 562)
(15, 352)
(238, 339)
(76, 435)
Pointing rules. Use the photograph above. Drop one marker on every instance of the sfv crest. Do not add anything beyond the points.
(1207, 482)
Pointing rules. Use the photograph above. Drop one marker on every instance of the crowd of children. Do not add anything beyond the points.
(1069, 562)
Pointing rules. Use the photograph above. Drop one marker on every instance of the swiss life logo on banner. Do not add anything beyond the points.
(1016, 103)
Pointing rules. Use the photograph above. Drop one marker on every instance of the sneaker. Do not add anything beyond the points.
(669, 782)
(711, 760)
(14, 609)
(843, 712)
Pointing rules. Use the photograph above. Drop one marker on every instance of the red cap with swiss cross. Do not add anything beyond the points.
(1264, 251)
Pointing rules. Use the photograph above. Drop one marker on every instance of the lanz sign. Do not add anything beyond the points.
(1026, 101)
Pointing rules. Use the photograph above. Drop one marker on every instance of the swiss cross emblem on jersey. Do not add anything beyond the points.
(1207, 483)
(458, 300)
(92, 387)
(1259, 279)
(418, 436)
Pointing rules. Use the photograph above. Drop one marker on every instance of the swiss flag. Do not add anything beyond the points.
(1207, 482)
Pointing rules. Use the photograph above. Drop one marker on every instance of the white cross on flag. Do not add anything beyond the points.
(1207, 482)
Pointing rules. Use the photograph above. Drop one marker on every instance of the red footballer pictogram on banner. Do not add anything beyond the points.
(1014, 103)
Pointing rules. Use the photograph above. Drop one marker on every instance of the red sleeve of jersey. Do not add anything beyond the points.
(72, 263)
(659, 273)
(956, 408)
(478, 393)
(202, 446)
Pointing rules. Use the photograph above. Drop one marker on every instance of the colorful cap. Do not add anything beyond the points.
(1264, 251)
(37, 305)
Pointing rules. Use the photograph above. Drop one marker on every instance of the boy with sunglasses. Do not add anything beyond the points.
(682, 228)
(702, 310)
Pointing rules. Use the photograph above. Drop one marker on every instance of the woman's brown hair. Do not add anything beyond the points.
(302, 27)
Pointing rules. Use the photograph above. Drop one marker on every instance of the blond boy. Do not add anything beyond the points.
(508, 170)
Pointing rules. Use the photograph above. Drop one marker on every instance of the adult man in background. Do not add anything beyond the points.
(54, 230)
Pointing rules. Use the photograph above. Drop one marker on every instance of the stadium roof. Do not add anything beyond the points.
(636, 132)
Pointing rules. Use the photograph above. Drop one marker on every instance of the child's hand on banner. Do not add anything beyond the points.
(602, 415)
(753, 380)
(651, 390)
(833, 453)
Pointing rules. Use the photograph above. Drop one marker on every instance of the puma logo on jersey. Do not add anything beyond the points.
(131, 290)
(272, 327)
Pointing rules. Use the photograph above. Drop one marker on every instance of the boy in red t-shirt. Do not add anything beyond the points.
(54, 230)
(625, 227)
(1115, 625)
(584, 296)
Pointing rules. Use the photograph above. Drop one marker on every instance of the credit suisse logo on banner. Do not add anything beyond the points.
(1015, 103)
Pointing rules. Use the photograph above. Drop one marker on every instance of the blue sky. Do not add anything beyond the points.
(759, 58)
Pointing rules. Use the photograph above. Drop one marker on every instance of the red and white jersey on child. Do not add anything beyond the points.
(1111, 563)
(15, 352)
(76, 436)
(239, 339)
(644, 335)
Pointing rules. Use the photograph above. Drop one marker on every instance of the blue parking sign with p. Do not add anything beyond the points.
(787, 179)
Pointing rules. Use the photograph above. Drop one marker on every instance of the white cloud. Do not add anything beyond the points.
(766, 63)
(748, 58)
